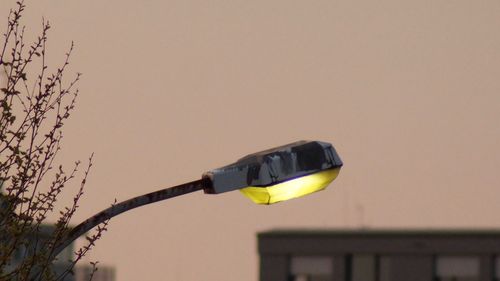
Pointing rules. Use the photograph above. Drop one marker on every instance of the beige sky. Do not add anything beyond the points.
(407, 91)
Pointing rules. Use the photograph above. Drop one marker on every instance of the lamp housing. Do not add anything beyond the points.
(269, 170)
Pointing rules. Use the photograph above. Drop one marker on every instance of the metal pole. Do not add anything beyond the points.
(127, 205)
(119, 208)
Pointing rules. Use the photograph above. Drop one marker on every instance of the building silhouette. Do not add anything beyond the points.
(379, 255)
(61, 267)
(103, 273)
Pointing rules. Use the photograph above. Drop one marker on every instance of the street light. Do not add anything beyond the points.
(265, 177)
(280, 173)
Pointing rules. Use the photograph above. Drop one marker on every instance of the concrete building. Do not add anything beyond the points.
(103, 273)
(379, 255)
(62, 265)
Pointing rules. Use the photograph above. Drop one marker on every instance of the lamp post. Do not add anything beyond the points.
(265, 177)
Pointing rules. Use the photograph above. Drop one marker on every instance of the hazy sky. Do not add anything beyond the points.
(407, 91)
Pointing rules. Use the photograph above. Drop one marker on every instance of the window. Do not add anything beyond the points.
(19, 253)
(385, 264)
(65, 255)
(457, 268)
(389, 267)
(363, 268)
(311, 268)
(497, 268)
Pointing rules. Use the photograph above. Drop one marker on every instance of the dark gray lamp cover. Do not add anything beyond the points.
(272, 166)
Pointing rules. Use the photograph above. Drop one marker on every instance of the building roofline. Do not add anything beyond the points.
(383, 240)
(373, 232)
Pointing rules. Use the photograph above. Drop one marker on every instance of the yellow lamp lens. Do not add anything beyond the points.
(292, 188)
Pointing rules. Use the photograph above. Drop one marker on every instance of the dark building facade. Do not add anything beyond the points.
(86, 273)
(380, 255)
(62, 266)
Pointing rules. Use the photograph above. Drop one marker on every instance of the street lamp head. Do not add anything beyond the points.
(280, 173)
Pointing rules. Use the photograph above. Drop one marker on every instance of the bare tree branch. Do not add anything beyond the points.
(35, 104)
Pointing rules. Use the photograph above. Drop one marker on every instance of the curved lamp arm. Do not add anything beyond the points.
(127, 205)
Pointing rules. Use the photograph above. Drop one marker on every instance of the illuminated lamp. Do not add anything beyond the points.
(280, 173)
